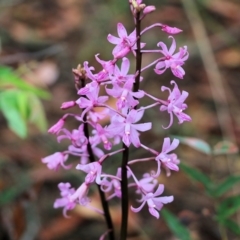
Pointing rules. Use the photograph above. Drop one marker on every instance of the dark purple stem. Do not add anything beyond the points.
(124, 182)
(104, 202)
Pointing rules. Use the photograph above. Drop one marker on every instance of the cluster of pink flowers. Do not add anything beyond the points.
(125, 124)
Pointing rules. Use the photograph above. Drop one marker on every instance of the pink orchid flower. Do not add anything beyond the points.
(81, 195)
(93, 171)
(65, 191)
(169, 161)
(56, 160)
(107, 186)
(101, 135)
(153, 201)
(125, 96)
(127, 127)
(120, 76)
(91, 100)
(175, 104)
(125, 43)
(77, 137)
(171, 60)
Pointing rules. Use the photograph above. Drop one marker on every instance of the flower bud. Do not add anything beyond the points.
(56, 127)
(149, 9)
(171, 30)
(67, 105)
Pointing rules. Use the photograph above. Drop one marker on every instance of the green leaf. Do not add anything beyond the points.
(10, 79)
(8, 105)
(225, 147)
(231, 225)
(226, 185)
(10, 194)
(199, 177)
(37, 114)
(228, 207)
(22, 104)
(195, 143)
(174, 224)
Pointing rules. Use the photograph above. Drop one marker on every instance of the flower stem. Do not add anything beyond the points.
(124, 182)
(138, 53)
(104, 202)
(124, 189)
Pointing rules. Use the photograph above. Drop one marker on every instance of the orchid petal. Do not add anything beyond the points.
(139, 208)
(154, 212)
(125, 66)
(164, 200)
(173, 146)
(159, 190)
(134, 137)
(170, 123)
(113, 40)
(121, 30)
(142, 127)
(173, 46)
(164, 48)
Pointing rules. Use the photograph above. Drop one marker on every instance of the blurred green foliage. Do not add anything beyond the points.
(175, 225)
(20, 102)
(226, 206)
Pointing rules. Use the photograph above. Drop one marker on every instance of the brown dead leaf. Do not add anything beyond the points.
(35, 20)
(229, 58)
(21, 32)
(59, 227)
(44, 74)
(226, 8)
(41, 174)
(203, 118)
(14, 220)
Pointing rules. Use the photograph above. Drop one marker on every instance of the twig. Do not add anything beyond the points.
(50, 51)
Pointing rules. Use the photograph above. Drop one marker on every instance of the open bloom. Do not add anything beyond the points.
(65, 191)
(127, 127)
(56, 160)
(125, 43)
(175, 104)
(120, 76)
(171, 60)
(115, 184)
(101, 135)
(97, 78)
(77, 137)
(93, 171)
(148, 183)
(125, 96)
(91, 100)
(96, 116)
(108, 66)
(154, 201)
(81, 195)
(167, 159)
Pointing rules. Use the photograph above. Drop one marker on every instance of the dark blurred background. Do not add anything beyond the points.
(43, 40)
